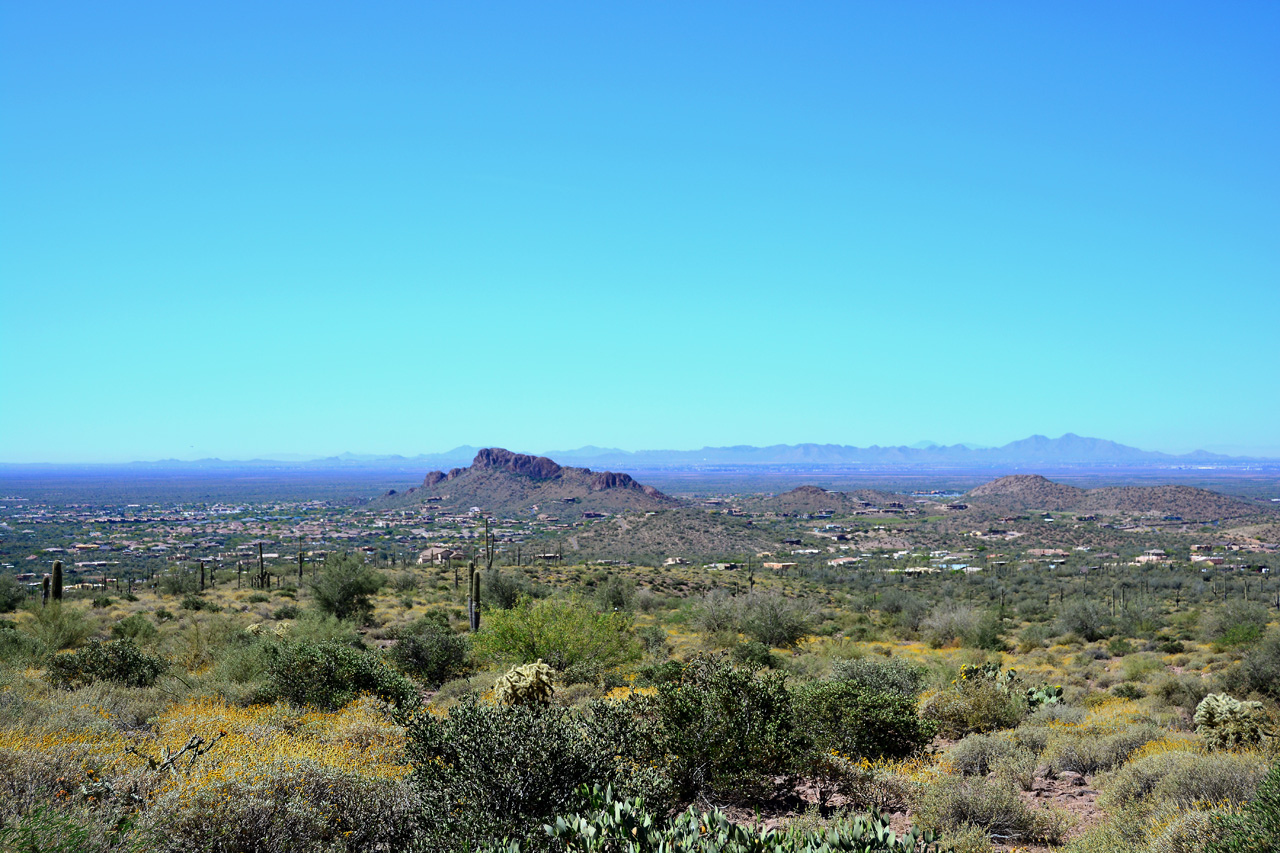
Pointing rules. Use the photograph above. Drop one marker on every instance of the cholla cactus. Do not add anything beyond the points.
(1226, 723)
(525, 685)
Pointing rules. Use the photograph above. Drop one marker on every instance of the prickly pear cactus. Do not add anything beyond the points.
(525, 685)
(1226, 723)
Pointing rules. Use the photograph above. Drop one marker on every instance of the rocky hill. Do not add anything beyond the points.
(1033, 492)
(808, 500)
(1028, 491)
(506, 483)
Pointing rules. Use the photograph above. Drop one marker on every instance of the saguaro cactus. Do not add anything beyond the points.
(44, 591)
(57, 580)
(473, 607)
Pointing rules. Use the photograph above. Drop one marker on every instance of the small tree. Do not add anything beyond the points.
(345, 585)
(569, 635)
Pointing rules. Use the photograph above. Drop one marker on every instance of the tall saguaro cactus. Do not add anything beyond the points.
(57, 580)
(473, 604)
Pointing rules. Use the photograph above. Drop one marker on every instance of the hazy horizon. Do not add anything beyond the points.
(300, 457)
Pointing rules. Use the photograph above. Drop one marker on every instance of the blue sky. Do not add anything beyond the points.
(231, 229)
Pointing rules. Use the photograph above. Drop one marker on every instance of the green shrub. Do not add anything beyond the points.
(487, 772)
(775, 620)
(952, 802)
(330, 675)
(755, 655)
(904, 610)
(503, 591)
(430, 652)
(56, 627)
(345, 586)
(82, 829)
(135, 627)
(15, 646)
(1086, 619)
(102, 601)
(566, 634)
(195, 602)
(659, 673)
(1181, 691)
(1128, 691)
(11, 594)
(287, 611)
(654, 640)
(616, 593)
(1257, 828)
(1185, 778)
(975, 706)
(258, 598)
(977, 755)
(163, 614)
(1088, 750)
(842, 716)
(950, 622)
(890, 675)
(293, 805)
(118, 661)
(1260, 669)
(727, 731)
(312, 626)
(1235, 623)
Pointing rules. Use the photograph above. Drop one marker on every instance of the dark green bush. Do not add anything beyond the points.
(1260, 669)
(135, 627)
(616, 593)
(755, 655)
(11, 594)
(258, 598)
(858, 723)
(103, 601)
(118, 661)
(195, 602)
(903, 609)
(287, 611)
(329, 675)
(503, 591)
(431, 652)
(1236, 623)
(1086, 619)
(488, 772)
(345, 587)
(775, 620)
(727, 731)
(659, 673)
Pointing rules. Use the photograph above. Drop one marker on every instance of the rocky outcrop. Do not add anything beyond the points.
(537, 467)
(500, 479)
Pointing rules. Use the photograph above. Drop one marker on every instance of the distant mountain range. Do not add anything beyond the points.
(1038, 451)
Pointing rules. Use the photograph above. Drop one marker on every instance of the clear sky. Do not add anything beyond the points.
(233, 229)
